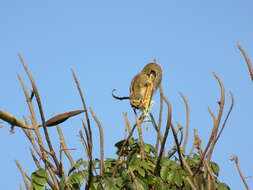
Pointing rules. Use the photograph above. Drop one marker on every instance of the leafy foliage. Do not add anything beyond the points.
(134, 173)
(38, 179)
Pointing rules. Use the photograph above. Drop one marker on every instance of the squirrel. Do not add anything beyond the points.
(148, 80)
(144, 84)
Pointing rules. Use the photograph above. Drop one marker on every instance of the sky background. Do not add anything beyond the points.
(106, 43)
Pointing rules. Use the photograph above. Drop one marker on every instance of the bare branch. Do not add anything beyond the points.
(64, 146)
(13, 121)
(36, 93)
(84, 105)
(221, 105)
(187, 108)
(211, 138)
(101, 133)
(84, 143)
(168, 125)
(142, 152)
(89, 129)
(228, 114)
(235, 159)
(24, 175)
(37, 163)
(158, 137)
(247, 59)
(127, 123)
(177, 145)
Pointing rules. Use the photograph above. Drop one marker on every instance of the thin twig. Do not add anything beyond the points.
(247, 59)
(221, 105)
(65, 147)
(50, 183)
(36, 93)
(37, 163)
(160, 136)
(177, 145)
(20, 187)
(187, 109)
(142, 152)
(34, 123)
(31, 138)
(127, 123)
(84, 106)
(33, 120)
(158, 139)
(87, 139)
(28, 100)
(168, 125)
(211, 138)
(84, 143)
(235, 159)
(89, 129)
(13, 121)
(101, 133)
(228, 114)
(24, 175)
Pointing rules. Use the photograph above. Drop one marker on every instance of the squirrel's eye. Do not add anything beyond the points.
(152, 72)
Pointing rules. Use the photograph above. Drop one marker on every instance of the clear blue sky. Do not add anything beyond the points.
(107, 43)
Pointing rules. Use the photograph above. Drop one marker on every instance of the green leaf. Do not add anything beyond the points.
(147, 165)
(149, 148)
(37, 187)
(215, 168)
(62, 182)
(110, 184)
(164, 172)
(41, 173)
(222, 186)
(76, 180)
(178, 178)
(78, 164)
(159, 184)
(141, 171)
(141, 185)
(39, 179)
(110, 162)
